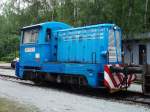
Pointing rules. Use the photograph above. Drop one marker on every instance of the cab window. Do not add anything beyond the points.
(30, 36)
(48, 35)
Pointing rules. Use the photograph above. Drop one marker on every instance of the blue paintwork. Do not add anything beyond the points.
(78, 51)
(46, 49)
(17, 69)
(84, 45)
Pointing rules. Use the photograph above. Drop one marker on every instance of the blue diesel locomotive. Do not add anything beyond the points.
(57, 52)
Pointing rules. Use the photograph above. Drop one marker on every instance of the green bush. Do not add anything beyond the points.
(9, 57)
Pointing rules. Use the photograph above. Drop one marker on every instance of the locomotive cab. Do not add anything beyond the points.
(34, 49)
(30, 40)
(38, 44)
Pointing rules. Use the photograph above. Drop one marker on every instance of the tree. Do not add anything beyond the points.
(133, 16)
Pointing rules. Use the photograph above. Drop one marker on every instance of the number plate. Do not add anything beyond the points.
(32, 49)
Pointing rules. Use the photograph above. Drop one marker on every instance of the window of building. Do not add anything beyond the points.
(142, 54)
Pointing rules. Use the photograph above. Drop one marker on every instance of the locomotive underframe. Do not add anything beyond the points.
(58, 78)
(71, 73)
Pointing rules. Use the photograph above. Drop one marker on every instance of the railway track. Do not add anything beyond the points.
(6, 67)
(127, 96)
(15, 79)
(9, 77)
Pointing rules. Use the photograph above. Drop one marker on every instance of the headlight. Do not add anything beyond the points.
(37, 55)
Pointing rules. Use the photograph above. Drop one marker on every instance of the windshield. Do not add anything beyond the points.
(30, 36)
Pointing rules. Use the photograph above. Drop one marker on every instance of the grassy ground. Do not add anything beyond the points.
(3, 62)
(11, 106)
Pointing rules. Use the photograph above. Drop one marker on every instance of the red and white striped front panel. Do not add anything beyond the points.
(115, 81)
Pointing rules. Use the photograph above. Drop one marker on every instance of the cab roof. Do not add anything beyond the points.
(52, 24)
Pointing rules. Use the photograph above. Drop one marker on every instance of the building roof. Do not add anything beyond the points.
(137, 37)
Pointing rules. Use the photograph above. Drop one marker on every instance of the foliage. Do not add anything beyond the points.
(133, 16)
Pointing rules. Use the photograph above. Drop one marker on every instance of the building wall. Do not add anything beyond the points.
(126, 54)
(135, 52)
(148, 53)
(133, 57)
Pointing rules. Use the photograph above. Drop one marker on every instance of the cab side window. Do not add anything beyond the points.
(48, 35)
